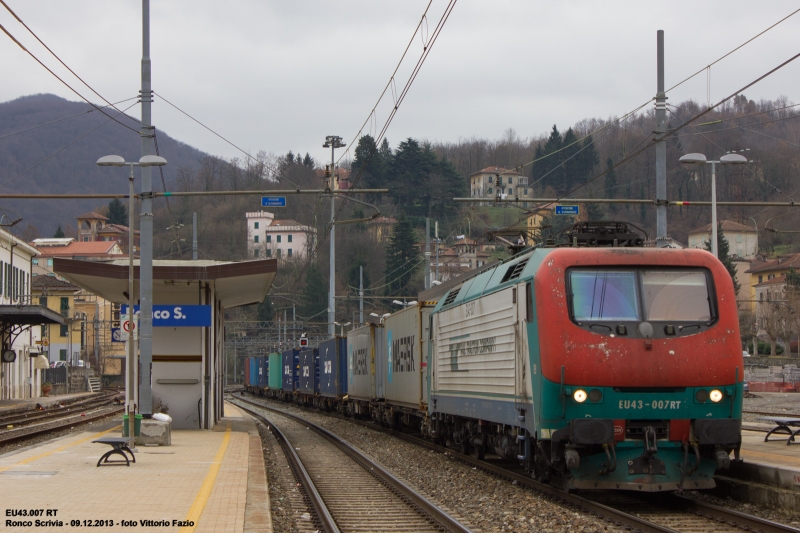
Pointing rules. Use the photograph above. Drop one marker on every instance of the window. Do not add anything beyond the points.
(255, 239)
(269, 238)
(255, 252)
(676, 295)
(278, 238)
(489, 179)
(49, 262)
(64, 305)
(490, 190)
(760, 278)
(288, 238)
(289, 252)
(43, 300)
(510, 180)
(62, 355)
(604, 295)
(255, 225)
(63, 332)
(279, 252)
(526, 191)
(35, 261)
(269, 252)
(738, 237)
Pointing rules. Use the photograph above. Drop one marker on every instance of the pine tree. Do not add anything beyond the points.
(59, 234)
(265, 312)
(117, 213)
(723, 249)
(315, 293)
(572, 170)
(401, 259)
(372, 169)
(588, 158)
(308, 161)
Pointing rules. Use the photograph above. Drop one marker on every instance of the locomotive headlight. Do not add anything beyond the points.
(579, 396)
(715, 395)
(701, 396)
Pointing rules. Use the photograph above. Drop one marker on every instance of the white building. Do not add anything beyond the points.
(483, 183)
(271, 238)
(18, 320)
(743, 240)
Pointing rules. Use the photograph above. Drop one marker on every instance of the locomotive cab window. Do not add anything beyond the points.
(675, 302)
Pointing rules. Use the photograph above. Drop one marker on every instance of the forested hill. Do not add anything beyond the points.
(72, 169)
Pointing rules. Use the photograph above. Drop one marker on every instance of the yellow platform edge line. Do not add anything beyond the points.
(199, 504)
(61, 449)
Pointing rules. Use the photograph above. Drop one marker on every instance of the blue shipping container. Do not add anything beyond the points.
(333, 367)
(291, 370)
(253, 380)
(309, 371)
(262, 372)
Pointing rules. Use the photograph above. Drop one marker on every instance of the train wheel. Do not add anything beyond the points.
(479, 452)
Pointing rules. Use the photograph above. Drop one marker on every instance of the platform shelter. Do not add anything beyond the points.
(189, 303)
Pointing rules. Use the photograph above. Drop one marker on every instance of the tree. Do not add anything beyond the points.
(315, 293)
(369, 163)
(401, 259)
(308, 161)
(611, 184)
(548, 169)
(59, 234)
(265, 312)
(572, 170)
(117, 212)
(723, 249)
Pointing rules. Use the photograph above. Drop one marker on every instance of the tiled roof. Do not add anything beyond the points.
(497, 170)
(92, 215)
(727, 225)
(52, 282)
(115, 228)
(778, 280)
(782, 263)
(383, 220)
(94, 248)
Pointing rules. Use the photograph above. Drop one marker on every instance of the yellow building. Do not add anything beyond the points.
(766, 271)
(534, 221)
(64, 342)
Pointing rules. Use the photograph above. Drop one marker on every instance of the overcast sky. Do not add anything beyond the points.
(281, 75)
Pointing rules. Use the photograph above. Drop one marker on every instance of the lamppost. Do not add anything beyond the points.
(700, 159)
(332, 142)
(130, 364)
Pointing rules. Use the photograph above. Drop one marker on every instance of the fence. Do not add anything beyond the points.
(58, 378)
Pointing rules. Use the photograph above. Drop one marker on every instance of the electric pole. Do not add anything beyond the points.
(661, 147)
(332, 142)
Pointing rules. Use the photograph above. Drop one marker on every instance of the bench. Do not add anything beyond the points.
(119, 445)
(790, 426)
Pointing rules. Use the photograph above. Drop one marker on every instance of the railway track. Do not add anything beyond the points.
(647, 513)
(347, 491)
(23, 426)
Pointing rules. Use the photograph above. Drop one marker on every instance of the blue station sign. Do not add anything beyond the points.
(180, 316)
(566, 210)
(273, 201)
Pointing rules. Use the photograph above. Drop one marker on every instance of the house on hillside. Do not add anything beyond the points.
(381, 228)
(743, 240)
(766, 271)
(483, 183)
(268, 237)
(93, 227)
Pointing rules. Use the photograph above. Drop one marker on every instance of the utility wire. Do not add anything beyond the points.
(65, 83)
(60, 119)
(65, 147)
(59, 59)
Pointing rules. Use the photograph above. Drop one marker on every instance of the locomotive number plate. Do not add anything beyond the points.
(655, 404)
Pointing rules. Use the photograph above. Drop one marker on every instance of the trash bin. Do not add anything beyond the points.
(137, 425)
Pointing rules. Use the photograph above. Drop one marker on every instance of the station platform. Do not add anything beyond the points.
(206, 481)
(27, 404)
(774, 453)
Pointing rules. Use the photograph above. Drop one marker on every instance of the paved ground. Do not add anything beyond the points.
(204, 477)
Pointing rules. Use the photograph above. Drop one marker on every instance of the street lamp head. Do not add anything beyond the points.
(111, 161)
(152, 161)
(693, 159)
(733, 159)
(375, 315)
(397, 302)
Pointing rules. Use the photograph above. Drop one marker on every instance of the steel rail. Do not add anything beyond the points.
(72, 423)
(587, 505)
(321, 510)
(440, 517)
(671, 203)
(33, 416)
(167, 194)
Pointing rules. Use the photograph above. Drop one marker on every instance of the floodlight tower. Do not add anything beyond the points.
(332, 142)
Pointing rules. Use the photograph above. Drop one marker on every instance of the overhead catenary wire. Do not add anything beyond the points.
(4, 30)
(60, 119)
(65, 147)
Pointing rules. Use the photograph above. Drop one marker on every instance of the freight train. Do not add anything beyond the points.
(596, 367)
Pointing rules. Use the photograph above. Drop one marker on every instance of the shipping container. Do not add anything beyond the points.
(290, 369)
(365, 362)
(254, 372)
(333, 367)
(263, 370)
(406, 355)
(275, 378)
(246, 372)
(309, 371)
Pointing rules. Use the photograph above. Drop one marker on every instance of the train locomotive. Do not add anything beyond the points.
(596, 367)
